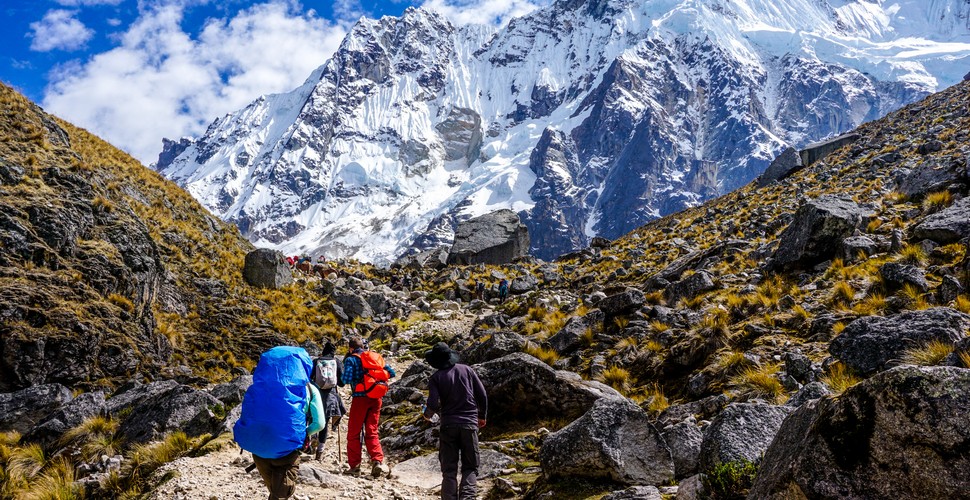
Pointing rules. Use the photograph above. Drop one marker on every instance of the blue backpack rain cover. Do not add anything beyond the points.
(273, 420)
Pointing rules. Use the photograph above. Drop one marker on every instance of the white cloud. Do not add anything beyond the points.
(163, 82)
(113, 22)
(59, 29)
(498, 12)
(82, 3)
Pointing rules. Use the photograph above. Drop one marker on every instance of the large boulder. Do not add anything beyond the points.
(901, 434)
(785, 164)
(689, 287)
(494, 238)
(133, 393)
(493, 346)
(684, 440)
(613, 440)
(72, 414)
(21, 410)
(947, 226)
(896, 275)
(179, 408)
(742, 431)
(818, 228)
(267, 268)
(869, 344)
(932, 175)
(352, 304)
(568, 338)
(522, 388)
(624, 302)
(231, 393)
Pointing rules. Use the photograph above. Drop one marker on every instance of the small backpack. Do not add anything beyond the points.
(325, 374)
(374, 383)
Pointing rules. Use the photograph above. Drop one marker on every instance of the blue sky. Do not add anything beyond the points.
(135, 71)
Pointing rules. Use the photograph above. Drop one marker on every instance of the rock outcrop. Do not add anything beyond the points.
(267, 268)
(21, 410)
(870, 344)
(742, 431)
(494, 238)
(899, 434)
(947, 226)
(613, 440)
(522, 388)
(817, 231)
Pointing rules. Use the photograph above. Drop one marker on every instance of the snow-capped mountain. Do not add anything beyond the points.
(588, 117)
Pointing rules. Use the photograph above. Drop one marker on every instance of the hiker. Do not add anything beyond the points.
(480, 290)
(503, 290)
(456, 393)
(280, 410)
(367, 374)
(326, 374)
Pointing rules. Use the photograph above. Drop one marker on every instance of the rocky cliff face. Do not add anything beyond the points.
(587, 117)
(106, 269)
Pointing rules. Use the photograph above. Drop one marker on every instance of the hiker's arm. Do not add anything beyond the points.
(434, 399)
(481, 399)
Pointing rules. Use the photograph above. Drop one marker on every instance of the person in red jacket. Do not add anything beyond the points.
(457, 394)
(367, 374)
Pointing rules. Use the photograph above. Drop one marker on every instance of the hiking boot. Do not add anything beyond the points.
(354, 471)
(379, 469)
(317, 455)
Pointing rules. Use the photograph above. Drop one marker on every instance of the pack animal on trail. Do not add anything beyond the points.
(315, 269)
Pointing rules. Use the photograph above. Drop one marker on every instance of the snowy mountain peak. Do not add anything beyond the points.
(588, 117)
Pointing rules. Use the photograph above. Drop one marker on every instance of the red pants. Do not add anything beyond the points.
(364, 414)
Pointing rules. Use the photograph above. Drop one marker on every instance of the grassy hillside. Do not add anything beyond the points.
(107, 269)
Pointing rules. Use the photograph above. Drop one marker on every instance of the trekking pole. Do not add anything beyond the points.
(340, 458)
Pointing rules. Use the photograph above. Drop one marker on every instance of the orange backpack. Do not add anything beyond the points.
(374, 383)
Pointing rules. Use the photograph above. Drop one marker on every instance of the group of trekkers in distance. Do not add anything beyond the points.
(293, 406)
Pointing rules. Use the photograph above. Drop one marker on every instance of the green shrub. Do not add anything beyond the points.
(730, 480)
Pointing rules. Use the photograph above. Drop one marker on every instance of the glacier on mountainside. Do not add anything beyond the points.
(587, 117)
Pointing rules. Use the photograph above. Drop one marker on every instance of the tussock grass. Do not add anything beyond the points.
(913, 255)
(934, 202)
(915, 298)
(962, 304)
(760, 382)
(658, 401)
(839, 378)
(872, 305)
(965, 358)
(842, 295)
(544, 354)
(931, 354)
(617, 378)
(659, 326)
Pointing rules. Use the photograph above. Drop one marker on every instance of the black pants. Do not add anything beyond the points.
(279, 474)
(459, 442)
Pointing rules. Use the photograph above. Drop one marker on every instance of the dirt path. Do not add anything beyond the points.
(222, 474)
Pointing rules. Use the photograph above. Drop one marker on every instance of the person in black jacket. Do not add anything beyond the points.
(457, 394)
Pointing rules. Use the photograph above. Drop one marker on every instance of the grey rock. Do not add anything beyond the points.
(817, 231)
(21, 410)
(568, 338)
(692, 488)
(613, 440)
(231, 393)
(551, 393)
(946, 226)
(499, 344)
(600, 242)
(179, 408)
(267, 268)
(931, 175)
(494, 238)
(133, 393)
(953, 359)
(684, 440)
(523, 284)
(819, 150)
(622, 303)
(72, 414)
(635, 493)
(785, 164)
(896, 275)
(853, 246)
(809, 392)
(799, 366)
(900, 434)
(870, 344)
(742, 431)
(950, 288)
(690, 287)
(352, 304)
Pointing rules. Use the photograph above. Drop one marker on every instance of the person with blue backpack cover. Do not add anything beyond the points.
(279, 411)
